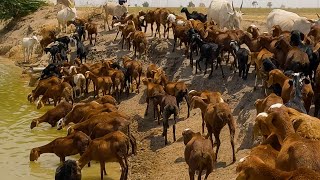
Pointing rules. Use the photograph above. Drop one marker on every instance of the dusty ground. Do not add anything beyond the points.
(154, 160)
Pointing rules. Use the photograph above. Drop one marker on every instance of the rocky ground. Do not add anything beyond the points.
(154, 160)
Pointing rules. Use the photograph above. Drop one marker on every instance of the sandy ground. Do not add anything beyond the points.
(154, 160)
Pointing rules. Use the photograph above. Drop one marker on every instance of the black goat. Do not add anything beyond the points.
(65, 40)
(69, 170)
(168, 106)
(242, 55)
(55, 49)
(192, 44)
(50, 70)
(208, 51)
(296, 40)
(81, 32)
(82, 51)
(194, 15)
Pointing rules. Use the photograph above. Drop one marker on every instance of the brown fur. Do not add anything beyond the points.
(52, 116)
(63, 146)
(198, 154)
(296, 152)
(252, 168)
(113, 147)
(216, 117)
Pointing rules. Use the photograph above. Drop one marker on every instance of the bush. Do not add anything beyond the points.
(18, 8)
(145, 4)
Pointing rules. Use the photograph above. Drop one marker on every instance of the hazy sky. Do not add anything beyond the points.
(177, 3)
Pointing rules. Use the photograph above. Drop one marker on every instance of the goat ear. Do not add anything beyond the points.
(302, 36)
(270, 81)
(290, 82)
(306, 81)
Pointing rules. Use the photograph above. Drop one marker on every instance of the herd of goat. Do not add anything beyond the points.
(287, 62)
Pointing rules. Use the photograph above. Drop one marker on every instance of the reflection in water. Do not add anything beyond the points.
(16, 138)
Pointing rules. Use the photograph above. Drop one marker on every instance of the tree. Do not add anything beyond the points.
(202, 5)
(145, 4)
(254, 4)
(269, 4)
(191, 4)
(18, 8)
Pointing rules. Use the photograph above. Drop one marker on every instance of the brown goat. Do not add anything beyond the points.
(134, 69)
(63, 146)
(262, 105)
(80, 111)
(197, 102)
(139, 42)
(113, 147)
(42, 87)
(216, 117)
(252, 167)
(296, 151)
(276, 76)
(52, 116)
(198, 154)
(56, 92)
(92, 28)
(152, 89)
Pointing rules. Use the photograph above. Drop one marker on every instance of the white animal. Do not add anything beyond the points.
(27, 44)
(224, 14)
(288, 21)
(80, 81)
(65, 15)
(113, 9)
(67, 3)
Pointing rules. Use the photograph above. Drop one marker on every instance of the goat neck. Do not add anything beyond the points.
(281, 126)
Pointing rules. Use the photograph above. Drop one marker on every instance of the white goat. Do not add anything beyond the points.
(78, 79)
(65, 15)
(27, 44)
(113, 9)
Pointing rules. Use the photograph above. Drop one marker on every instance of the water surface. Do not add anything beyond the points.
(17, 139)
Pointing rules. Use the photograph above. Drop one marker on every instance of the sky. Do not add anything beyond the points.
(178, 3)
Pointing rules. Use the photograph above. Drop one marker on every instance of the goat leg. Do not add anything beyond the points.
(219, 61)
(191, 174)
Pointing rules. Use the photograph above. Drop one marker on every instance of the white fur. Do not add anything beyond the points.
(181, 23)
(253, 25)
(59, 123)
(243, 159)
(27, 44)
(188, 129)
(192, 91)
(171, 18)
(68, 129)
(79, 81)
(141, 18)
(65, 15)
(277, 105)
(263, 114)
(72, 69)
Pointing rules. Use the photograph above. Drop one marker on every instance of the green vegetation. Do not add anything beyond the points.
(18, 8)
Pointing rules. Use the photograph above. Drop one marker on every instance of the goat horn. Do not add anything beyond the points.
(241, 5)
(232, 6)
(318, 15)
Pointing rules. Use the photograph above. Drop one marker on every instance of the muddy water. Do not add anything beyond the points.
(16, 138)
